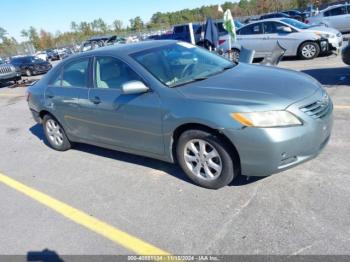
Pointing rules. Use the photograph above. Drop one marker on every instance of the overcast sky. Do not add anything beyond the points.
(54, 15)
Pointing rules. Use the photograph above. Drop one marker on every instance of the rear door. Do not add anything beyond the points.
(110, 117)
(251, 37)
(65, 91)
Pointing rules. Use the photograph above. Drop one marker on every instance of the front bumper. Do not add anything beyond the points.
(14, 76)
(324, 45)
(36, 116)
(336, 43)
(265, 151)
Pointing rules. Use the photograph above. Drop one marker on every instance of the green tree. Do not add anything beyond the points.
(117, 25)
(136, 24)
(3, 33)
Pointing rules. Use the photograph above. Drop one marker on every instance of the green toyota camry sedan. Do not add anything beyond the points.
(179, 103)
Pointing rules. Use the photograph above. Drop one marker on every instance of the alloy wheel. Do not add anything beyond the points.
(202, 159)
(54, 132)
(309, 51)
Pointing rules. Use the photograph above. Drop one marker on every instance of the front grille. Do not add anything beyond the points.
(319, 108)
(5, 69)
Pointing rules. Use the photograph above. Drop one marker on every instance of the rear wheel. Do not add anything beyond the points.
(309, 50)
(205, 159)
(55, 134)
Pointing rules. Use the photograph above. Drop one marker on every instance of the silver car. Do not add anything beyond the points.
(179, 103)
(336, 16)
(262, 36)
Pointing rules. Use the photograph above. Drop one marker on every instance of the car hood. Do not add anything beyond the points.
(322, 29)
(253, 85)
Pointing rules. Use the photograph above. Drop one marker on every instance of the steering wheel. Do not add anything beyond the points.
(187, 70)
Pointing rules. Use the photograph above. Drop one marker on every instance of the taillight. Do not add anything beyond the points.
(28, 95)
(221, 41)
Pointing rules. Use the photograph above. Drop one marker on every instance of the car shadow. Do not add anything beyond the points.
(45, 255)
(8, 85)
(330, 76)
(171, 169)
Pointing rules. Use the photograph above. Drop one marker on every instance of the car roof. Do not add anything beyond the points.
(332, 7)
(125, 49)
(275, 19)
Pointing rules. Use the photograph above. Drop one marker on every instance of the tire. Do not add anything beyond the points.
(308, 50)
(235, 55)
(55, 134)
(28, 72)
(216, 155)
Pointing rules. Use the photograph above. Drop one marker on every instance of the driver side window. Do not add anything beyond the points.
(111, 73)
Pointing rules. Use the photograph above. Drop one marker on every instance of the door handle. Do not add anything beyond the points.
(96, 100)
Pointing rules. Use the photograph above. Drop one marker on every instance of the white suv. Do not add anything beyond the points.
(336, 16)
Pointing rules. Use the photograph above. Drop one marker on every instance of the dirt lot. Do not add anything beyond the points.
(301, 211)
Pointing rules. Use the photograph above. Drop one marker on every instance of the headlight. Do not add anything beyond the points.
(267, 119)
(323, 35)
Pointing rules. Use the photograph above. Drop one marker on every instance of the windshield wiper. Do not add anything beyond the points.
(200, 78)
(189, 81)
(228, 67)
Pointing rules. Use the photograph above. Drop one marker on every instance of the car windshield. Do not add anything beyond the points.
(34, 59)
(181, 63)
(296, 23)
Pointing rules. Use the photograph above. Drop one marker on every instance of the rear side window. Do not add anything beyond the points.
(56, 78)
(76, 74)
(336, 11)
(253, 29)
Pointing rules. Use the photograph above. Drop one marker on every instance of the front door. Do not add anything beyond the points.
(273, 32)
(110, 117)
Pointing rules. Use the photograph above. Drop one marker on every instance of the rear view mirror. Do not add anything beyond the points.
(134, 87)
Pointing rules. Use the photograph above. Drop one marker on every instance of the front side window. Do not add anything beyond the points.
(336, 11)
(112, 73)
(181, 63)
(76, 74)
(253, 29)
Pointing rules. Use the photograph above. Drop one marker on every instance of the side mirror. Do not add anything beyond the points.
(134, 87)
(287, 29)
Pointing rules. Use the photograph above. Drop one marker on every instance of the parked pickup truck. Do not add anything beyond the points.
(8, 73)
(182, 33)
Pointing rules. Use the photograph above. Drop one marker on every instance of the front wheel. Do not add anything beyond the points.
(55, 134)
(29, 73)
(205, 159)
(309, 50)
(235, 55)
